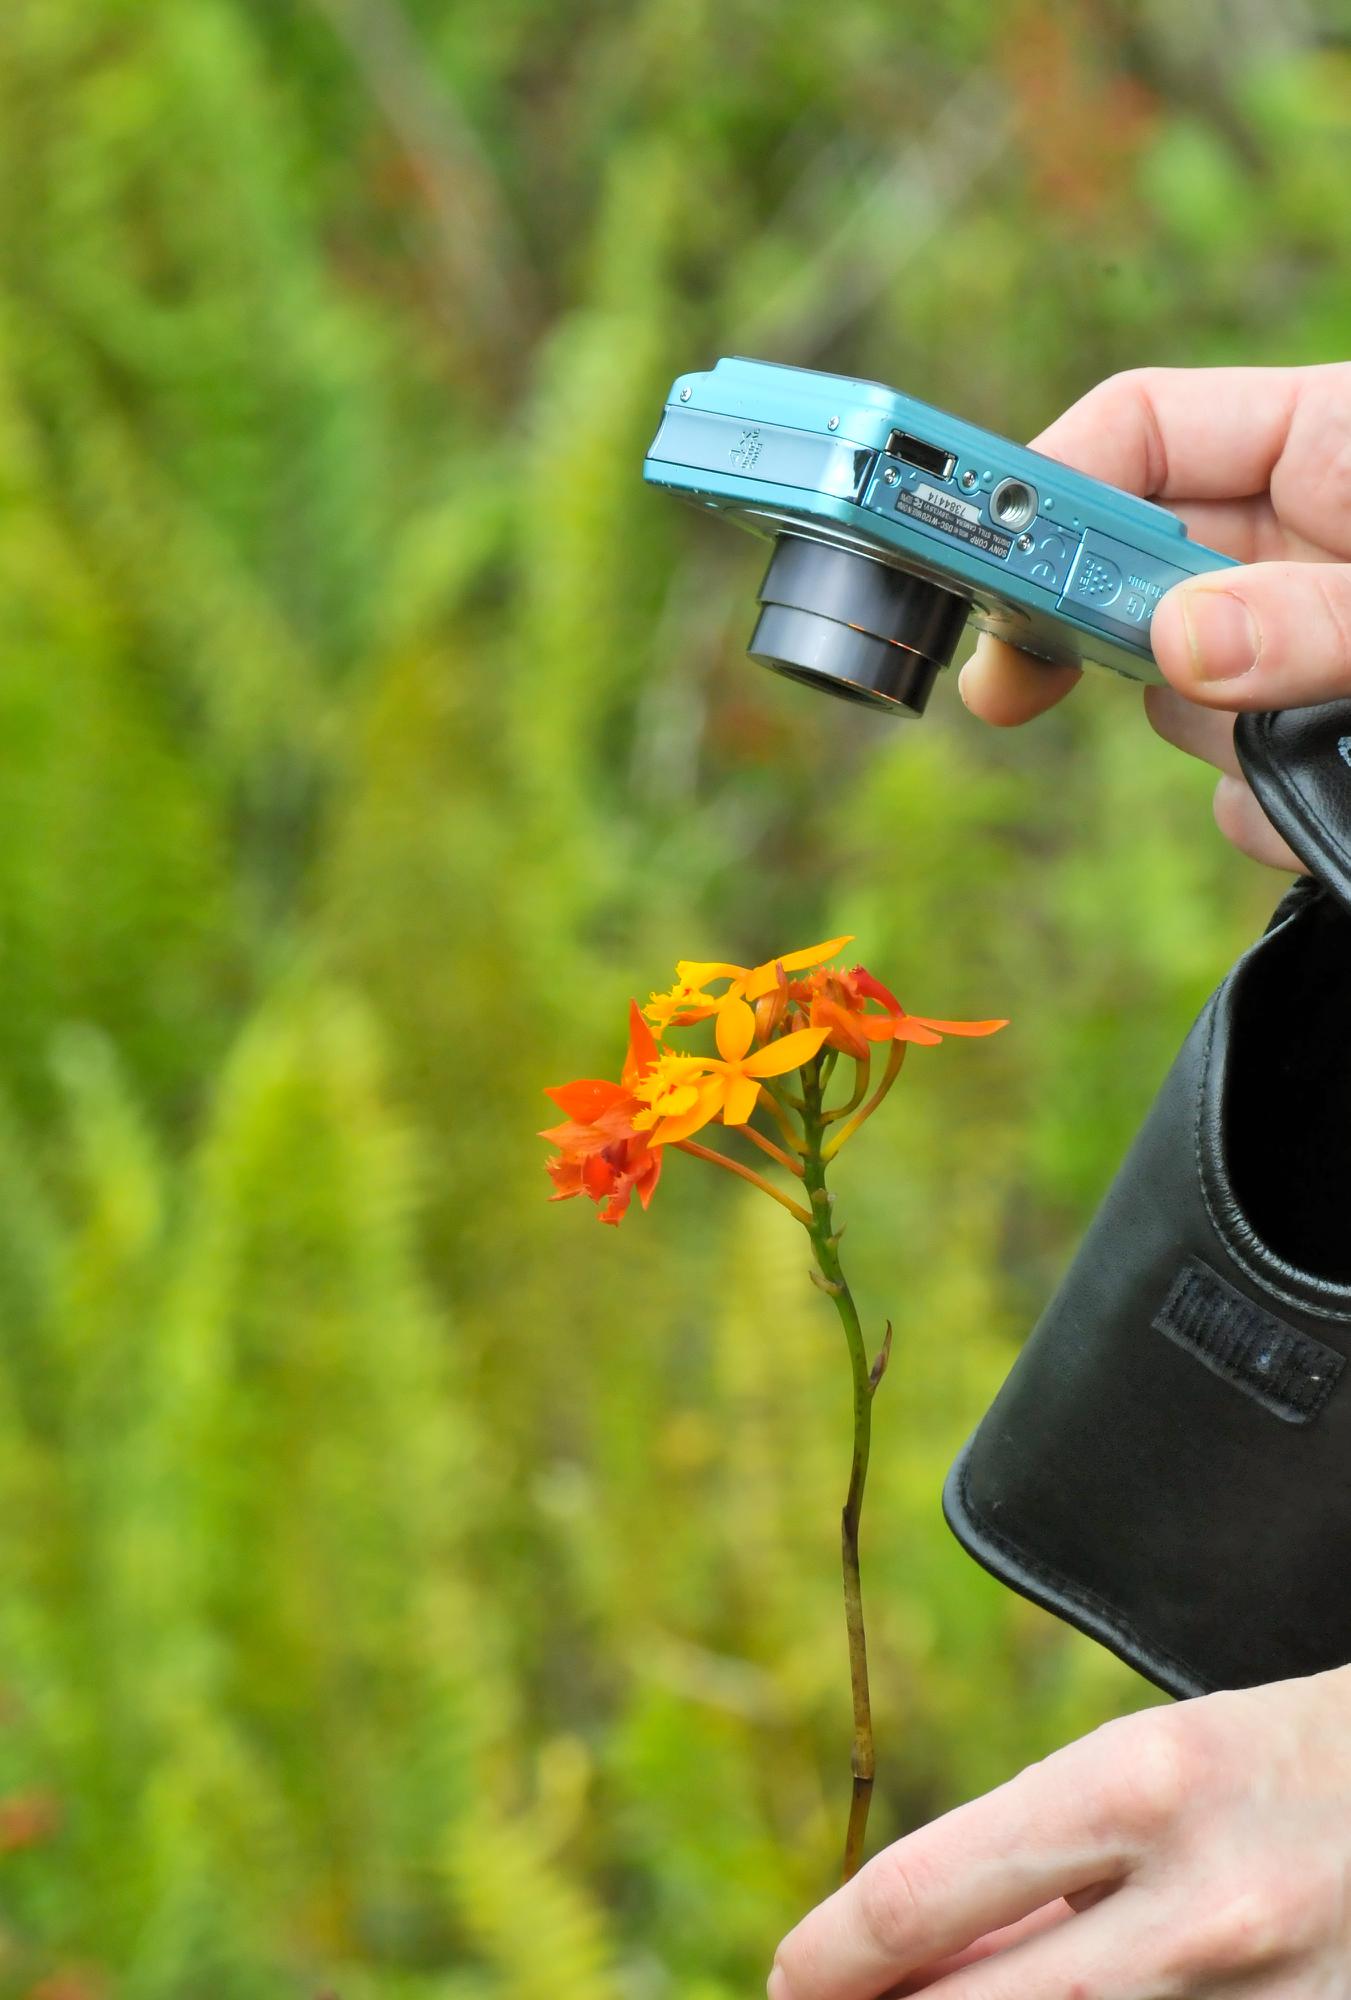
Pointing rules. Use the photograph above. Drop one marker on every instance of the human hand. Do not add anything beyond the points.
(1257, 461)
(1201, 1849)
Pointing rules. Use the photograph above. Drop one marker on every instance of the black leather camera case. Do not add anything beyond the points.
(1168, 1465)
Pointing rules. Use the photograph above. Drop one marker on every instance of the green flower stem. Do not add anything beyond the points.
(826, 1249)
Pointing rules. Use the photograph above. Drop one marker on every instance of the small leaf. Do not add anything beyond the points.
(879, 1367)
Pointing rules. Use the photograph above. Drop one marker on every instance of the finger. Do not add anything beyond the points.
(1004, 686)
(1275, 635)
(1241, 820)
(1067, 1824)
(1193, 433)
(1105, 1953)
(1045, 1919)
(1249, 530)
(1207, 733)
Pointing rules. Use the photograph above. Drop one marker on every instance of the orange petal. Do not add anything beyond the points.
(566, 1176)
(647, 1178)
(643, 1050)
(585, 1099)
(764, 977)
(844, 1030)
(901, 1028)
(570, 1136)
(598, 1177)
(959, 1027)
(789, 1052)
(873, 989)
(735, 1030)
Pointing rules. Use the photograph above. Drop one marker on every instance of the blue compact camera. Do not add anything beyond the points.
(893, 523)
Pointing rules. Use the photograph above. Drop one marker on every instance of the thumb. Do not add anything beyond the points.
(1273, 635)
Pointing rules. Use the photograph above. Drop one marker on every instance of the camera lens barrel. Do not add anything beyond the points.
(853, 626)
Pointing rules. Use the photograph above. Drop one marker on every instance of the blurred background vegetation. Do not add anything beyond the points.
(407, 1590)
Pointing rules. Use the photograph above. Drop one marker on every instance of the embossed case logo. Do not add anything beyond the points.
(746, 450)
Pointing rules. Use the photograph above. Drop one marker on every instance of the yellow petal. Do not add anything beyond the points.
(740, 1101)
(669, 1131)
(764, 977)
(735, 1030)
(677, 1099)
(697, 972)
(789, 1052)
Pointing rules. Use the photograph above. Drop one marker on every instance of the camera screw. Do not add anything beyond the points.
(832, 423)
(1024, 543)
(685, 395)
(891, 475)
(968, 480)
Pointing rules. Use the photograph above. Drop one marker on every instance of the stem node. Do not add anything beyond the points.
(879, 1367)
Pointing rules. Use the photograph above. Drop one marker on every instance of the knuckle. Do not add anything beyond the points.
(1128, 400)
(1242, 1927)
(779, 1985)
(888, 1901)
(1320, 446)
(1335, 591)
(790, 1974)
(1155, 1766)
(1127, 385)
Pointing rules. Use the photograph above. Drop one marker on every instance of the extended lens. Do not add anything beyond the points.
(853, 626)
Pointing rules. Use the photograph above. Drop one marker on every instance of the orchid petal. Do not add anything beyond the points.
(643, 1050)
(844, 1031)
(585, 1099)
(919, 1028)
(680, 1008)
(646, 1179)
(572, 1137)
(764, 977)
(566, 1176)
(696, 972)
(735, 1030)
(599, 1177)
(670, 1131)
(789, 1052)
(959, 1027)
(678, 1099)
(743, 1094)
(873, 989)
(901, 1028)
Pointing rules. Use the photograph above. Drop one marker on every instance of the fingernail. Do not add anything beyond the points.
(1222, 635)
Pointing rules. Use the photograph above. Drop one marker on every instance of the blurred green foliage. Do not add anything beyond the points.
(407, 1590)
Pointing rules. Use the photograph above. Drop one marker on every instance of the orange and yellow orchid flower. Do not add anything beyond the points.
(839, 1003)
(601, 1151)
(686, 1092)
(895, 1025)
(688, 1002)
